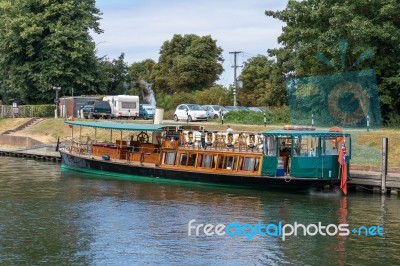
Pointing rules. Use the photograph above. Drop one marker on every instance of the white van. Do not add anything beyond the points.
(123, 106)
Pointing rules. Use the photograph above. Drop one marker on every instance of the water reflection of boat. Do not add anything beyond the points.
(284, 159)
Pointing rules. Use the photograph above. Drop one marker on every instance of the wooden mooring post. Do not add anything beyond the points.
(379, 182)
(384, 164)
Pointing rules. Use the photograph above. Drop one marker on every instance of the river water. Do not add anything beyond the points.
(50, 216)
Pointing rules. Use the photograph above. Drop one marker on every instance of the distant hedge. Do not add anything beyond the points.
(274, 117)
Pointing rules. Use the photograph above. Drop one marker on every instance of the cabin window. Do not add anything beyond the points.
(330, 146)
(169, 158)
(220, 161)
(333, 145)
(192, 159)
(257, 164)
(306, 146)
(285, 144)
(128, 105)
(270, 146)
(246, 163)
(229, 163)
(206, 161)
(182, 159)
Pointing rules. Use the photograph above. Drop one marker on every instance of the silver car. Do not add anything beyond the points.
(214, 111)
(190, 112)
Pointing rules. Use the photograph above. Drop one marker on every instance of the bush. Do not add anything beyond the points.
(215, 95)
(43, 110)
(164, 101)
(279, 115)
(169, 115)
(393, 120)
(275, 116)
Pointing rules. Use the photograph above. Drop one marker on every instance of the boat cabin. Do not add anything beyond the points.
(177, 147)
(304, 153)
(275, 153)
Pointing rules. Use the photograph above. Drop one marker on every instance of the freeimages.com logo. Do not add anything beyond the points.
(279, 229)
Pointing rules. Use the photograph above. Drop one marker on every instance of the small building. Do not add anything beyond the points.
(15, 103)
(70, 106)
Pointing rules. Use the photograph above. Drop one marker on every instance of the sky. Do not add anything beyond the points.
(138, 28)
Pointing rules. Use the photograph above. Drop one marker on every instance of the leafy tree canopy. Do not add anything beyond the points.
(260, 83)
(142, 70)
(316, 26)
(140, 74)
(47, 43)
(216, 95)
(115, 79)
(187, 63)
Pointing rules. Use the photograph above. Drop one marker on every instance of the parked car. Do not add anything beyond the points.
(96, 109)
(190, 112)
(214, 111)
(258, 109)
(146, 111)
(235, 108)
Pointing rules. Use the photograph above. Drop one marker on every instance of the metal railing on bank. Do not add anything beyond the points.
(45, 110)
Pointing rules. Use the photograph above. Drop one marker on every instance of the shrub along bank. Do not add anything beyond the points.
(276, 116)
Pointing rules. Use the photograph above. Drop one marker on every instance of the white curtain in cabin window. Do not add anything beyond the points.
(206, 161)
(248, 164)
(270, 146)
(170, 158)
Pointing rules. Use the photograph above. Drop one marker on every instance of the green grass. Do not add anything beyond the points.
(244, 117)
(364, 154)
(11, 123)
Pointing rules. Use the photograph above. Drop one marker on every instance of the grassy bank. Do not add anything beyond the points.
(366, 146)
(6, 124)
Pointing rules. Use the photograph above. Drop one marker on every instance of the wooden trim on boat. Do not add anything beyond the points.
(217, 163)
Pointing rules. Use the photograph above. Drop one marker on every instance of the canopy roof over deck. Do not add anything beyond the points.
(120, 126)
(281, 133)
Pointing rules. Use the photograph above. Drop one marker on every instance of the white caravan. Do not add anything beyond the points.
(123, 106)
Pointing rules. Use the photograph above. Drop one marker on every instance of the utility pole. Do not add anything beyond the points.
(235, 66)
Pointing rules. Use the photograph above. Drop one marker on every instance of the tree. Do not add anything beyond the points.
(188, 63)
(315, 28)
(216, 95)
(141, 70)
(115, 78)
(47, 43)
(260, 83)
(140, 74)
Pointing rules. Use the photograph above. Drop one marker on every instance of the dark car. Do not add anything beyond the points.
(96, 109)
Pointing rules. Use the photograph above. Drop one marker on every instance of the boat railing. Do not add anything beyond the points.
(223, 142)
(80, 146)
(120, 150)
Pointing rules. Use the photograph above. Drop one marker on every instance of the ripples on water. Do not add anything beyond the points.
(49, 216)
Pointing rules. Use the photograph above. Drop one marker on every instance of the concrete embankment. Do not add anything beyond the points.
(39, 152)
(22, 146)
(18, 141)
